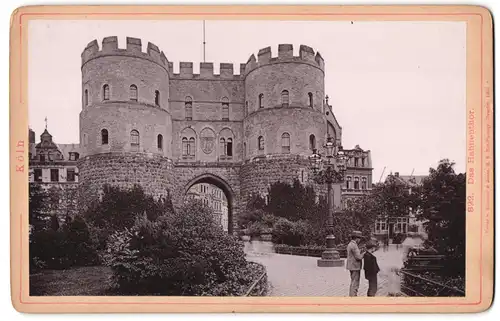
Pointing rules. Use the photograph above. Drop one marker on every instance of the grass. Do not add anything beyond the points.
(89, 280)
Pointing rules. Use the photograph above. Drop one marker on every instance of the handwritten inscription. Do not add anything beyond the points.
(20, 156)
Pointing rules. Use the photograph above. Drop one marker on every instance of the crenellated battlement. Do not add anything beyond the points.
(226, 71)
(285, 54)
(133, 48)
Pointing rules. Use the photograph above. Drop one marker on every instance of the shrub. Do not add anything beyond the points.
(291, 233)
(178, 253)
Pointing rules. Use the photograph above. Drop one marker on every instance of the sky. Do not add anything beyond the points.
(396, 88)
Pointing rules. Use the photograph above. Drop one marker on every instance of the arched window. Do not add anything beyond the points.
(229, 147)
(285, 99)
(222, 145)
(285, 143)
(104, 137)
(133, 92)
(356, 182)
(188, 105)
(312, 142)
(134, 140)
(185, 148)
(310, 100)
(159, 142)
(225, 108)
(348, 182)
(105, 92)
(261, 101)
(86, 97)
(191, 146)
(261, 143)
(363, 183)
(157, 98)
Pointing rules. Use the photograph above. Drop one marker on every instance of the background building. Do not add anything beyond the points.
(407, 222)
(214, 198)
(54, 167)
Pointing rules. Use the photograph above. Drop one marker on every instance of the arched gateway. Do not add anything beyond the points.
(220, 183)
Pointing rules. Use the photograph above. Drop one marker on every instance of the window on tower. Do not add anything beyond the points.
(261, 143)
(310, 100)
(159, 142)
(157, 98)
(104, 136)
(133, 92)
(86, 97)
(105, 92)
(285, 99)
(134, 140)
(312, 142)
(285, 143)
(261, 101)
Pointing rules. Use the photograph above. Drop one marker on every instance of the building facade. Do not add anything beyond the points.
(141, 123)
(407, 223)
(55, 168)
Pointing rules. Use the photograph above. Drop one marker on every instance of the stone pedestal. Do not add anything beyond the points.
(330, 258)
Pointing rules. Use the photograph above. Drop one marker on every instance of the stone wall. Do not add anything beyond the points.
(154, 173)
(257, 176)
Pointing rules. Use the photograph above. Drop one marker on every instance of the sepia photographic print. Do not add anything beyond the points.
(252, 159)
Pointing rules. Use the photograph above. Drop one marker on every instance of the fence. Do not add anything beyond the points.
(258, 287)
(417, 285)
(305, 251)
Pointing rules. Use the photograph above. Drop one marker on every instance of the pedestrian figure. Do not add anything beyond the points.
(371, 268)
(386, 244)
(354, 261)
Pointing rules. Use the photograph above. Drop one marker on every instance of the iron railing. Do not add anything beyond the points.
(416, 285)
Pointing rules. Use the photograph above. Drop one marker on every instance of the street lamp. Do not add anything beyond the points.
(330, 171)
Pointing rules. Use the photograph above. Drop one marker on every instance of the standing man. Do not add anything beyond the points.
(354, 261)
(371, 268)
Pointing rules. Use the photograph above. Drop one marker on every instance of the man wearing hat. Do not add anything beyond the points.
(354, 261)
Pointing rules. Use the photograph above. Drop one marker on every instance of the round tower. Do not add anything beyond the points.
(125, 122)
(285, 116)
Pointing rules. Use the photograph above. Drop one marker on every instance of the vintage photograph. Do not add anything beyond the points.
(244, 158)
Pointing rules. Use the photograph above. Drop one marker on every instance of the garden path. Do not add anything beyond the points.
(291, 275)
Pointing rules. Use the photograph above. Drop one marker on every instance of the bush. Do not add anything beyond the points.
(291, 233)
(178, 253)
(60, 248)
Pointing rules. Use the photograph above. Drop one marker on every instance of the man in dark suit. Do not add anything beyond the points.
(371, 268)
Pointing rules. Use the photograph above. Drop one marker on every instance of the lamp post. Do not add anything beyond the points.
(330, 171)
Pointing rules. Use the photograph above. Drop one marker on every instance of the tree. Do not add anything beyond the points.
(118, 208)
(442, 208)
(38, 215)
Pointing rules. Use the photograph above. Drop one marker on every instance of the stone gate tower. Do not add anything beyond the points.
(141, 123)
